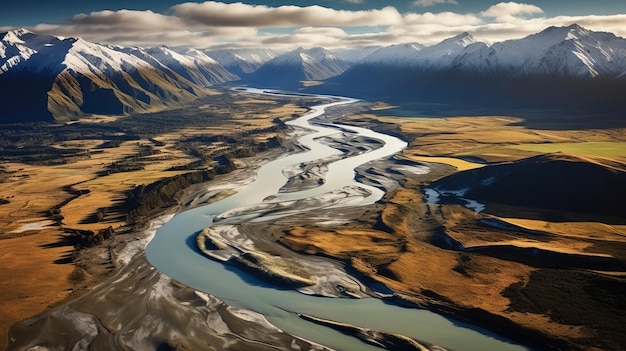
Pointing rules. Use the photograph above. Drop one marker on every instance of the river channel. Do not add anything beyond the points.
(173, 251)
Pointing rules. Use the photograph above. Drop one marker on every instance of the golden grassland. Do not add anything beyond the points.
(34, 274)
(407, 259)
(499, 138)
(459, 164)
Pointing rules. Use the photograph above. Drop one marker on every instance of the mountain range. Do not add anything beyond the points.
(44, 78)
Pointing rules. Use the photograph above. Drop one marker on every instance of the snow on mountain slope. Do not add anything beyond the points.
(352, 56)
(582, 54)
(67, 78)
(569, 68)
(193, 65)
(398, 55)
(443, 54)
(242, 61)
(570, 52)
(99, 79)
(299, 65)
(419, 56)
(19, 46)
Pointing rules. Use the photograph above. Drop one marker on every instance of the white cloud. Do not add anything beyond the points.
(443, 18)
(211, 13)
(142, 28)
(428, 3)
(212, 24)
(509, 11)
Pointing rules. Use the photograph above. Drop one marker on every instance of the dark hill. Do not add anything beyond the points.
(553, 182)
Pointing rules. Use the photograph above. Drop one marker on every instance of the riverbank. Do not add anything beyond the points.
(141, 308)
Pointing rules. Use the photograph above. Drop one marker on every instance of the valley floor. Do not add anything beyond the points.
(545, 283)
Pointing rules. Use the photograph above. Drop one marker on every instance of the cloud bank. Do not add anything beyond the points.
(213, 24)
(428, 3)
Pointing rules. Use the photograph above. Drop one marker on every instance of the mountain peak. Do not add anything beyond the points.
(464, 39)
(13, 36)
(576, 27)
(464, 35)
(573, 31)
(21, 31)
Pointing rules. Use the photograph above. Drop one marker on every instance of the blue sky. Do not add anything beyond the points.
(287, 24)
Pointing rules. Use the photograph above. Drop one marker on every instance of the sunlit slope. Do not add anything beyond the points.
(51, 78)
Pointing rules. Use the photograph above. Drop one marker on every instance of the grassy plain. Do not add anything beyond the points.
(501, 138)
(95, 172)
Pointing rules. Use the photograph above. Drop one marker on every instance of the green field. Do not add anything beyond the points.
(601, 149)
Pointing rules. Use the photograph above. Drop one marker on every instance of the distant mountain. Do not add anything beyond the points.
(51, 78)
(291, 68)
(418, 56)
(352, 56)
(400, 55)
(193, 65)
(560, 67)
(565, 52)
(242, 61)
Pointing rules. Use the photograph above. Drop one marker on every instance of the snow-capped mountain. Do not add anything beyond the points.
(19, 47)
(352, 56)
(193, 65)
(416, 55)
(571, 51)
(293, 67)
(242, 61)
(443, 54)
(558, 67)
(582, 54)
(398, 55)
(44, 77)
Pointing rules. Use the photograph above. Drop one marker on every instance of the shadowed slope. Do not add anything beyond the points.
(553, 181)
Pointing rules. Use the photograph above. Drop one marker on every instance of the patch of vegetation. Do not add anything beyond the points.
(145, 199)
(576, 298)
(132, 162)
(176, 344)
(463, 265)
(88, 238)
(32, 143)
(77, 276)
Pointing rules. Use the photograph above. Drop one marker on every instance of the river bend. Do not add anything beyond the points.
(173, 252)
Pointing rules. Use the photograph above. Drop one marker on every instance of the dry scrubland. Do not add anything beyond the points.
(552, 284)
(37, 260)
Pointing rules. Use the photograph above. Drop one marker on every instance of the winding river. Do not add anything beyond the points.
(173, 251)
